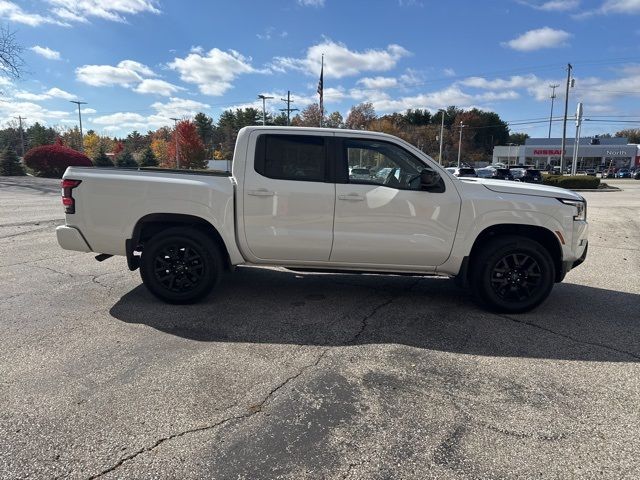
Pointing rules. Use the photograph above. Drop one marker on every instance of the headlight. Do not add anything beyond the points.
(581, 208)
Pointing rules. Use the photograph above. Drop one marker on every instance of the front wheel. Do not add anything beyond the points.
(180, 265)
(512, 274)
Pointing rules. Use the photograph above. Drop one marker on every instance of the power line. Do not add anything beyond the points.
(20, 118)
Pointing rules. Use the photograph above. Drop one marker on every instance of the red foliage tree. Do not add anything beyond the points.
(118, 148)
(52, 160)
(191, 150)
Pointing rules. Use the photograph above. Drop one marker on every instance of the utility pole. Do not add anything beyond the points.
(564, 123)
(264, 114)
(288, 101)
(175, 132)
(553, 97)
(576, 143)
(80, 119)
(20, 118)
(460, 144)
(441, 136)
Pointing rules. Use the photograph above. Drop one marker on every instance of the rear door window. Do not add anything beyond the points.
(292, 157)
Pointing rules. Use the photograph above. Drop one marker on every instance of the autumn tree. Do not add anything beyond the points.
(311, 116)
(360, 116)
(334, 120)
(191, 151)
(91, 144)
(633, 134)
(518, 138)
(118, 147)
(160, 150)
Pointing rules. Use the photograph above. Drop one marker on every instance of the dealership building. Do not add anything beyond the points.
(593, 152)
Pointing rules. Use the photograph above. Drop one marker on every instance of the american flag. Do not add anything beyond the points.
(321, 89)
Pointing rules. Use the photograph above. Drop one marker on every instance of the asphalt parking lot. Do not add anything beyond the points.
(288, 375)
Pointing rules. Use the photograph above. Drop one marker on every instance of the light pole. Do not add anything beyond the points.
(576, 144)
(509, 157)
(264, 115)
(553, 97)
(441, 136)
(175, 132)
(460, 144)
(80, 119)
(570, 83)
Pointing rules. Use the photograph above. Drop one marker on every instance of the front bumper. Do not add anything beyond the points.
(70, 238)
(571, 264)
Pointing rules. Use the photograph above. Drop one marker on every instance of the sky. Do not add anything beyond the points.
(137, 63)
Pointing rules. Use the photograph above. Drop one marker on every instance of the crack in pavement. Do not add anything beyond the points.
(253, 410)
(55, 221)
(364, 323)
(569, 337)
(257, 408)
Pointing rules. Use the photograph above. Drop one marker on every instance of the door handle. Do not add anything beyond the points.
(353, 197)
(261, 193)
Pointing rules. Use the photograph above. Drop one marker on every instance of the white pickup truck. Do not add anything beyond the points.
(293, 201)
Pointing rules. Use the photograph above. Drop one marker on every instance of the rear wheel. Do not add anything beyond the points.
(512, 274)
(180, 265)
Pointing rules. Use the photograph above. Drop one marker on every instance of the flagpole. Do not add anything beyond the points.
(321, 91)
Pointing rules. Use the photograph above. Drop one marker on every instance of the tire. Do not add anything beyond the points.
(180, 265)
(512, 274)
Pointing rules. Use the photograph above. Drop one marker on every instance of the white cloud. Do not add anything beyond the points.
(213, 72)
(112, 10)
(621, 6)
(32, 111)
(88, 111)
(340, 62)
(157, 87)
(311, 3)
(46, 52)
(537, 39)
(516, 81)
(125, 74)
(175, 107)
(553, 5)
(51, 93)
(179, 107)
(378, 82)
(449, 72)
(15, 13)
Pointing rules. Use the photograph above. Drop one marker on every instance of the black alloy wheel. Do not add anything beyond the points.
(180, 265)
(512, 274)
(516, 277)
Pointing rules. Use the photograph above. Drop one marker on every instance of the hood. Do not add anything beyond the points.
(521, 188)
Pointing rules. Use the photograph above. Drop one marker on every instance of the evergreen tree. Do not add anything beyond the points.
(148, 159)
(126, 160)
(101, 160)
(10, 163)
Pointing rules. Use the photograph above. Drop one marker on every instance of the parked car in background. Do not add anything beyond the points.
(495, 173)
(636, 175)
(462, 172)
(623, 173)
(591, 172)
(609, 173)
(360, 173)
(527, 175)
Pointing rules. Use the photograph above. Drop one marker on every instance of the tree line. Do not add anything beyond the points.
(194, 141)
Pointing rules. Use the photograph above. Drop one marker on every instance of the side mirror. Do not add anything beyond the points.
(429, 179)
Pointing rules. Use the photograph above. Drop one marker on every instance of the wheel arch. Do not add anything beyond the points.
(542, 235)
(154, 223)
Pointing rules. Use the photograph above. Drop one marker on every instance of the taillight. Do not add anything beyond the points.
(67, 198)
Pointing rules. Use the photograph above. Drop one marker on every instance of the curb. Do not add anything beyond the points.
(610, 189)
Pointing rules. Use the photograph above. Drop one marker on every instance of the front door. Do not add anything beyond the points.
(383, 217)
(288, 200)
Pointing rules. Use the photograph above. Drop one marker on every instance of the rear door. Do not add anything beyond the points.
(289, 197)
